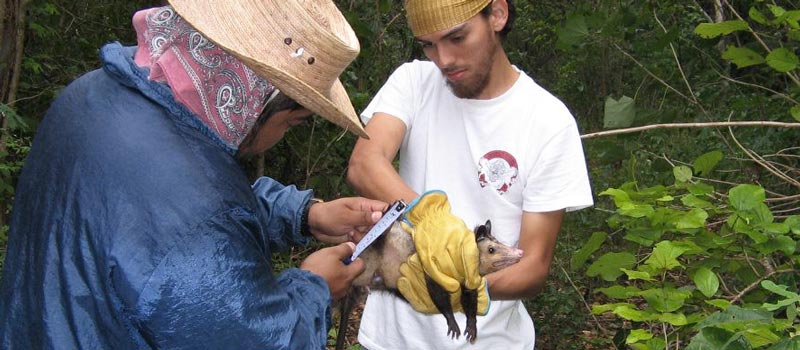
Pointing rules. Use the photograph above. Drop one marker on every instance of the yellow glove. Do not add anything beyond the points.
(446, 251)
(412, 286)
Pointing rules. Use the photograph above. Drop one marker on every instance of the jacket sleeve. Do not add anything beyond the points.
(215, 290)
(281, 206)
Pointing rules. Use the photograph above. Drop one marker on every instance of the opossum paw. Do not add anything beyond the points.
(471, 333)
(453, 331)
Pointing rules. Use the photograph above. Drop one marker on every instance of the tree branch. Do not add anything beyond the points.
(736, 298)
(689, 125)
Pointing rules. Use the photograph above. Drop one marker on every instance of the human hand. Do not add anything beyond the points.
(327, 263)
(344, 219)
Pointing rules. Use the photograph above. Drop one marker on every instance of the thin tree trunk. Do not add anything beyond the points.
(12, 38)
(719, 16)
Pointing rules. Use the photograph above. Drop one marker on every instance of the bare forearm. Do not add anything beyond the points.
(527, 278)
(370, 171)
(520, 281)
(375, 177)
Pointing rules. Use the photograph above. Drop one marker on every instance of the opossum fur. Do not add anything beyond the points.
(384, 257)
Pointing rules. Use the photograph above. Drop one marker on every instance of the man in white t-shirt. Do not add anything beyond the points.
(470, 123)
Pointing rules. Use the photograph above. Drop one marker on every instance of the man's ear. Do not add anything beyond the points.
(499, 15)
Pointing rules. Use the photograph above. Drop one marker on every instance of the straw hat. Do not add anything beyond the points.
(430, 16)
(300, 46)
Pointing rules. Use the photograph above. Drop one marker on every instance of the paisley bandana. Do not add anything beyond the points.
(227, 96)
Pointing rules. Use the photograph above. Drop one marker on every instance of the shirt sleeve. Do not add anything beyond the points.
(559, 179)
(396, 96)
(216, 290)
(281, 206)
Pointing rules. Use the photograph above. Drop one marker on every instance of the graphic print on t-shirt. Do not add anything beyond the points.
(498, 170)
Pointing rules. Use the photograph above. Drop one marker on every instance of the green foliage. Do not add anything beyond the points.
(713, 30)
(667, 272)
(619, 113)
(681, 250)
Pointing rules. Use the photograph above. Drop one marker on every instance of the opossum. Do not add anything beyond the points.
(383, 259)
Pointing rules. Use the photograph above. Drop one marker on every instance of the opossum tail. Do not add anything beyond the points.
(345, 307)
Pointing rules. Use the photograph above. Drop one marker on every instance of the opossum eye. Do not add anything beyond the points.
(491, 250)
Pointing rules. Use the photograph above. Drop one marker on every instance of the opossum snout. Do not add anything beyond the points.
(510, 257)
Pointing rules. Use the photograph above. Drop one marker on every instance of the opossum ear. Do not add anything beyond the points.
(481, 231)
(488, 227)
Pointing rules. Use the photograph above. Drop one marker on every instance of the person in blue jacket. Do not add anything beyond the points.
(135, 227)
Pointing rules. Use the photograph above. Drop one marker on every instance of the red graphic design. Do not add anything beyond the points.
(498, 170)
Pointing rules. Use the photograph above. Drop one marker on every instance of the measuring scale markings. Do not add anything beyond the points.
(380, 227)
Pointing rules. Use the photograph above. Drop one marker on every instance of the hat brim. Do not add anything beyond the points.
(336, 107)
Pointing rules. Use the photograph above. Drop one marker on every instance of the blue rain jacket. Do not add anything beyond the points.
(134, 228)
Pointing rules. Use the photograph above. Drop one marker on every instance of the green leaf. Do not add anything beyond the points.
(666, 198)
(775, 228)
(787, 344)
(791, 18)
(795, 111)
(619, 292)
(746, 197)
(592, 245)
(682, 173)
(664, 256)
(742, 57)
(778, 289)
(782, 60)
(644, 236)
(637, 275)
(706, 162)
(757, 16)
(693, 201)
(619, 113)
(636, 210)
(735, 315)
(695, 218)
(720, 339)
(629, 313)
(689, 247)
(673, 319)
(713, 30)
(620, 197)
(777, 11)
(603, 308)
(608, 266)
(794, 224)
(665, 299)
(794, 34)
(760, 335)
(706, 281)
(720, 303)
(638, 335)
(700, 189)
(779, 243)
(574, 32)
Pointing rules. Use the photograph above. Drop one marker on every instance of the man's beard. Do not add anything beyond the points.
(472, 88)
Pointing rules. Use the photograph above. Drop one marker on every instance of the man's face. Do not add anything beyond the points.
(273, 130)
(464, 54)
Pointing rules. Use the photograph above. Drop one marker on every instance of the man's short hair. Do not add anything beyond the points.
(512, 16)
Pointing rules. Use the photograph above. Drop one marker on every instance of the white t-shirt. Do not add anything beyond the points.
(494, 158)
